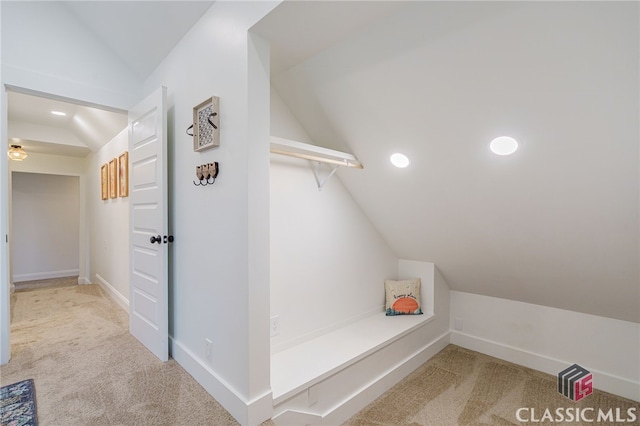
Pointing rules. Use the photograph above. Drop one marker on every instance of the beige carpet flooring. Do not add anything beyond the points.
(74, 342)
(462, 387)
(88, 370)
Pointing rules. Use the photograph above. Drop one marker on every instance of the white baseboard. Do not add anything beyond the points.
(117, 297)
(248, 413)
(368, 393)
(83, 281)
(601, 380)
(45, 275)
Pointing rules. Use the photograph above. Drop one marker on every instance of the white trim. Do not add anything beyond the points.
(289, 376)
(602, 381)
(5, 252)
(245, 412)
(355, 402)
(83, 281)
(117, 297)
(45, 275)
(312, 152)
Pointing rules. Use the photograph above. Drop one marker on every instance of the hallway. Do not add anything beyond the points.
(74, 342)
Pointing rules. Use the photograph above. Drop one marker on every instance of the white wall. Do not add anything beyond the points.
(435, 295)
(283, 122)
(328, 263)
(219, 282)
(108, 223)
(219, 286)
(41, 133)
(438, 80)
(550, 339)
(45, 48)
(60, 166)
(46, 226)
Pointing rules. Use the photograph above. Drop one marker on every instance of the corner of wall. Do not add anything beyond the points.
(435, 290)
(249, 413)
(443, 294)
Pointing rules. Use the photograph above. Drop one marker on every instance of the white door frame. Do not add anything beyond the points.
(5, 291)
(5, 254)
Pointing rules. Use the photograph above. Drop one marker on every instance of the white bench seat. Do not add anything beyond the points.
(301, 366)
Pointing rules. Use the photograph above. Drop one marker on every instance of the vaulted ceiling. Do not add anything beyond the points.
(139, 34)
(556, 223)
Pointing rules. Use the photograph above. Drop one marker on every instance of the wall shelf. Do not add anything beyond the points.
(313, 152)
(317, 154)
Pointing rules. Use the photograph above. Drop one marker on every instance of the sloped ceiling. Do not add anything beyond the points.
(141, 33)
(84, 129)
(138, 34)
(556, 223)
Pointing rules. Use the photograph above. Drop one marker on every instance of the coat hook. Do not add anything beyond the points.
(206, 174)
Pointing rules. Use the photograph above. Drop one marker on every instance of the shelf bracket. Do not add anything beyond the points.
(317, 172)
(317, 156)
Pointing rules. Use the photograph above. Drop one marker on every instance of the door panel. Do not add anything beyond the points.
(148, 294)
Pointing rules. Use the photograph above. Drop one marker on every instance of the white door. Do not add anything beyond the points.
(148, 286)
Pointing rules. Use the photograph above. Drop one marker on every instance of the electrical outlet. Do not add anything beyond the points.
(275, 325)
(208, 348)
(457, 324)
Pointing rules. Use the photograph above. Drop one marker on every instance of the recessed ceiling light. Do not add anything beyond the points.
(504, 145)
(60, 113)
(399, 160)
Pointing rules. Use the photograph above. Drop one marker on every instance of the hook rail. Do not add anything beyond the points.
(207, 174)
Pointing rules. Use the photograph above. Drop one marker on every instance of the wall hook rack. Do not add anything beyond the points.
(207, 174)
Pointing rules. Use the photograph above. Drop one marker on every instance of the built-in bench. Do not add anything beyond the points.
(302, 366)
(328, 377)
(316, 378)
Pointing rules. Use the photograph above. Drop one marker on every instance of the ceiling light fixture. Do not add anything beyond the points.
(17, 153)
(504, 145)
(399, 160)
(59, 113)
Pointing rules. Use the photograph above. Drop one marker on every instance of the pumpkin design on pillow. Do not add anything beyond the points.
(403, 297)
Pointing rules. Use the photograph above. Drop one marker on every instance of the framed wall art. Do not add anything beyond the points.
(123, 174)
(206, 124)
(113, 178)
(104, 181)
